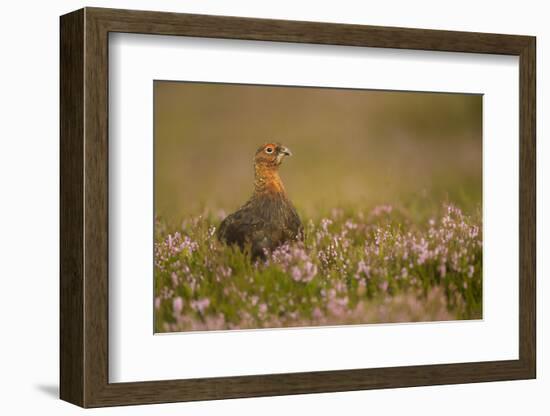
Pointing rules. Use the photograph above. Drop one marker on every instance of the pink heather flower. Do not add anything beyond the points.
(262, 308)
(325, 222)
(157, 302)
(177, 305)
(174, 244)
(224, 271)
(340, 287)
(381, 209)
(470, 271)
(296, 273)
(175, 280)
(350, 225)
(200, 305)
(442, 270)
(317, 314)
(337, 307)
(310, 270)
(363, 268)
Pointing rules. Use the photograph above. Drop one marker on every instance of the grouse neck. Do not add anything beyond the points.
(268, 181)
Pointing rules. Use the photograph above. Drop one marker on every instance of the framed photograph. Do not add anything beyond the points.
(255, 207)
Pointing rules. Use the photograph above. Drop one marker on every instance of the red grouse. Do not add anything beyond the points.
(268, 219)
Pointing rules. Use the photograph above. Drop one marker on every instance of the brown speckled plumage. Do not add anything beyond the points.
(268, 218)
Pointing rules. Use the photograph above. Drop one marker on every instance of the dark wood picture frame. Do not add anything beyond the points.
(84, 207)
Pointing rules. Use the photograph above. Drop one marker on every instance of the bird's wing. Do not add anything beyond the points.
(294, 224)
(237, 227)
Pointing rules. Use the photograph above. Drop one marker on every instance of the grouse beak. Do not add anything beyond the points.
(285, 151)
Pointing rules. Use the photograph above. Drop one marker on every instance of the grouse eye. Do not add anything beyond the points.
(269, 150)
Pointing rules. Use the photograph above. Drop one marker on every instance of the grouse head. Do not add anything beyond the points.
(271, 155)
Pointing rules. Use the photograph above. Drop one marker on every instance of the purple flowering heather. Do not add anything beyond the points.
(369, 267)
(177, 305)
(200, 305)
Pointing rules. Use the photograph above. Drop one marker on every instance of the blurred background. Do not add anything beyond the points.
(352, 148)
